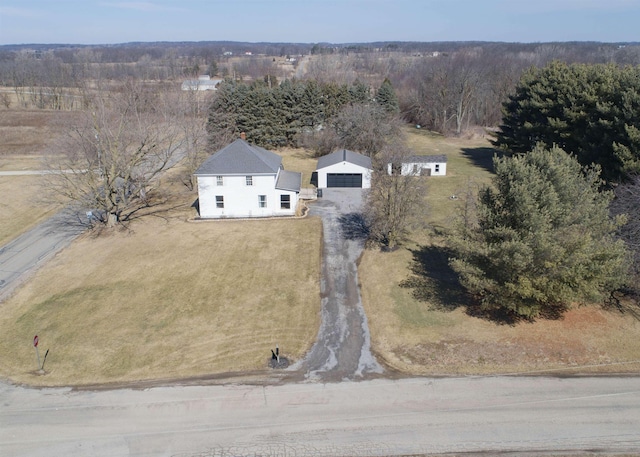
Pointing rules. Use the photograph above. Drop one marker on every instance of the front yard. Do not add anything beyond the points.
(170, 298)
(433, 334)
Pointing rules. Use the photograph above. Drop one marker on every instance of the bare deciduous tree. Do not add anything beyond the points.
(627, 202)
(5, 99)
(395, 203)
(110, 160)
(190, 117)
(364, 127)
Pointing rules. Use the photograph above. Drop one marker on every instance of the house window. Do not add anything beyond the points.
(219, 181)
(262, 201)
(249, 180)
(285, 201)
(437, 169)
(219, 201)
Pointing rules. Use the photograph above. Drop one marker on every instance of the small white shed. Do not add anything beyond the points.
(343, 168)
(422, 166)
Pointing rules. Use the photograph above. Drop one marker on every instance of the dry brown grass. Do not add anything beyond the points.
(26, 135)
(301, 160)
(21, 206)
(434, 335)
(170, 298)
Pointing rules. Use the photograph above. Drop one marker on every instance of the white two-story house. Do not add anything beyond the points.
(242, 180)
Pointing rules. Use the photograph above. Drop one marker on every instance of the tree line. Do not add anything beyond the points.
(447, 87)
(296, 112)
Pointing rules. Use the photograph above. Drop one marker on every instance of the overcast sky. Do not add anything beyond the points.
(313, 21)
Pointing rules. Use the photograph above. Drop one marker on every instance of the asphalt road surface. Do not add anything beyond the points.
(370, 418)
(25, 254)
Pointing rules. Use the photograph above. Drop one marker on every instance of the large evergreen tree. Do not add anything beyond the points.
(386, 97)
(592, 111)
(275, 115)
(543, 238)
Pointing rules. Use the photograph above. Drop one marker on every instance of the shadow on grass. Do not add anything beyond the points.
(481, 157)
(434, 281)
(354, 226)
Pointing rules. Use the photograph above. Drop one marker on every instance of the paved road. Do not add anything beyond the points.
(369, 418)
(26, 253)
(343, 348)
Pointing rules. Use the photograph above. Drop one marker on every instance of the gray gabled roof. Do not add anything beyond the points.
(240, 158)
(426, 159)
(344, 155)
(289, 180)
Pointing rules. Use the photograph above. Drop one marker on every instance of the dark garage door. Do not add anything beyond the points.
(344, 179)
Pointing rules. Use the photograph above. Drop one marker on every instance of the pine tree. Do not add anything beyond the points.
(592, 111)
(222, 124)
(543, 238)
(386, 97)
(359, 92)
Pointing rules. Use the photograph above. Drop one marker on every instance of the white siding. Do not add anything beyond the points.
(415, 169)
(344, 167)
(241, 200)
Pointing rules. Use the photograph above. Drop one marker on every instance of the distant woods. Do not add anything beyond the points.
(448, 87)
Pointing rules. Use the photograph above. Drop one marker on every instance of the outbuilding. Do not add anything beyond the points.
(421, 166)
(343, 168)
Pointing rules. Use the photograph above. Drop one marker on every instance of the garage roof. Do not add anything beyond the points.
(344, 155)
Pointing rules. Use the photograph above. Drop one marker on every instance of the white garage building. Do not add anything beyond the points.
(343, 168)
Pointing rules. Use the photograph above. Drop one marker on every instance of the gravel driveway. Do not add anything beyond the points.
(343, 348)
